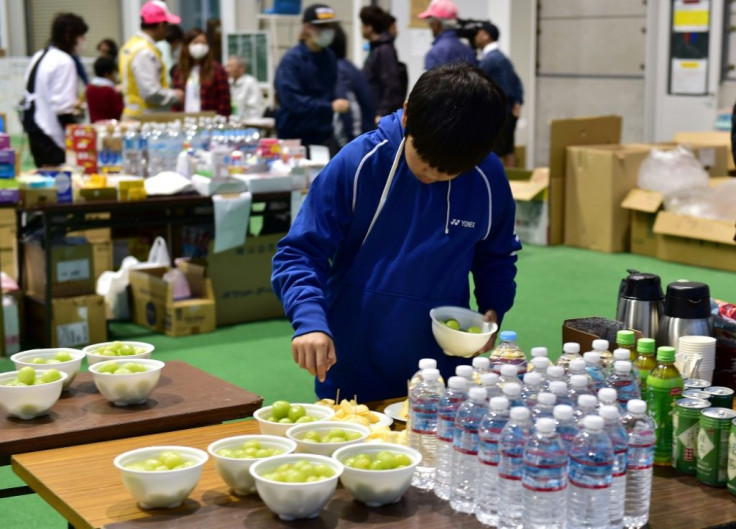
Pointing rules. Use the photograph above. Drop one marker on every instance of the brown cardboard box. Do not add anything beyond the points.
(530, 190)
(595, 328)
(101, 258)
(713, 158)
(37, 197)
(153, 305)
(75, 321)
(598, 179)
(71, 269)
(520, 154)
(643, 206)
(8, 242)
(708, 138)
(96, 234)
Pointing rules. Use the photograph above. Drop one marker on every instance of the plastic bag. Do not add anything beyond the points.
(158, 256)
(672, 170)
(706, 202)
(179, 283)
(113, 286)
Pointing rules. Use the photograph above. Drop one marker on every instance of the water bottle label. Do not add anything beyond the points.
(488, 452)
(465, 451)
(509, 477)
(527, 486)
(424, 420)
(619, 463)
(445, 428)
(588, 486)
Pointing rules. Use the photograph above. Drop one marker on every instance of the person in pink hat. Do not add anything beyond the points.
(145, 85)
(447, 46)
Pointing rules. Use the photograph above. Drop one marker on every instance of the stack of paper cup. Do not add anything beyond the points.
(696, 356)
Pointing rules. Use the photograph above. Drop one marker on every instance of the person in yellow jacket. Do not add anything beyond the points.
(145, 86)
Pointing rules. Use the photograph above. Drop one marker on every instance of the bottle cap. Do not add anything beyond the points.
(563, 412)
(548, 399)
(571, 347)
(587, 401)
(430, 374)
(508, 336)
(428, 363)
(578, 381)
(541, 362)
(609, 413)
(555, 371)
(545, 425)
(478, 394)
(636, 406)
(464, 371)
(622, 366)
(519, 413)
(625, 337)
(558, 387)
(645, 345)
(592, 358)
(593, 422)
(607, 395)
(576, 365)
(488, 379)
(457, 383)
(600, 345)
(509, 370)
(621, 354)
(532, 379)
(499, 403)
(481, 362)
(539, 352)
(666, 354)
(512, 389)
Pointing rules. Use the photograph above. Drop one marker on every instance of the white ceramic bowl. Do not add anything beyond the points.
(377, 487)
(28, 402)
(164, 489)
(460, 343)
(236, 471)
(320, 413)
(292, 501)
(70, 367)
(93, 358)
(296, 433)
(127, 390)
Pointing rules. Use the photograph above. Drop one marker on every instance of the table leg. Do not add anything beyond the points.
(12, 492)
(48, 294)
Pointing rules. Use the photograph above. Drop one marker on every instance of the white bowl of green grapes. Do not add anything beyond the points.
(64, 359)
(460, 331)
(377, 473)
(234, 456)
(101, 352)
(324, 438)
(282, 415)
(29, 392)
(161, 477)
(296, 486)
(126, 382)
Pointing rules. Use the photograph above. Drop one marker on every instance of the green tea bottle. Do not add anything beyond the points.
(627, 340)
(645, 361)
(664, 387)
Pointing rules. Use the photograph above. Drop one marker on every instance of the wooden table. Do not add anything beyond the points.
(102, 501)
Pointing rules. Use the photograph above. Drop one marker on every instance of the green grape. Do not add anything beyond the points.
(171, 459)
(27, 375)
(299, 472)
(280, 409)
(63, 356)
(474, 330)
(286, 420)
(453, 324)
(52, 375)
(306, 418)
(38, 360)
(383, 460)
(296, 412)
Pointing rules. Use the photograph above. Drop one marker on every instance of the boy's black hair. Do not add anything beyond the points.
(454, 114)
(374, 17)
(111, 45)
(66, 29)
(104, 66)
(339, 43)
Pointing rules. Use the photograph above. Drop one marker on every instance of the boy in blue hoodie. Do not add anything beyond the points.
(391, 228)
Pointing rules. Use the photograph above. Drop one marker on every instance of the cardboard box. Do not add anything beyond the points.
(643, 206)
(713, 158)
(709, 138)
(101, 258)
(75, 321)
(8, 242)
(153, 305)
(564, 133)
(37, 197)
(96, 234)
(598, 179)
(585, 330)
(530, 190)
(71, 268)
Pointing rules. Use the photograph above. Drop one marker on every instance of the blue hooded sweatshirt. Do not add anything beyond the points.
(371, 289)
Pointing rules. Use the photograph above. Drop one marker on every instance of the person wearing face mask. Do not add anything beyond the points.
(51, 101)
(305, 83)
(145, 85)
(203, 80)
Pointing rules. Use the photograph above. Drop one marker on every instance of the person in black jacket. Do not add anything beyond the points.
(381, 68)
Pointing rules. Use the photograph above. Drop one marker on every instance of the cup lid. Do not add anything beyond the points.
(642, 286)
(687, 299)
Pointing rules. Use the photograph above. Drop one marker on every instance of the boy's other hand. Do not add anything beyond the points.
(314, 352)
(341, 106)
(491, 343)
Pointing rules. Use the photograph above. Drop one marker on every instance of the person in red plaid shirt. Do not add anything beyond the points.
(203, 80)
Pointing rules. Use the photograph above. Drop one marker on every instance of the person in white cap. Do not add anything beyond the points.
(447, 46)
(145, 85)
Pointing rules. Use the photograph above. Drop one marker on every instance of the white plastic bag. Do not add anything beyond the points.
(113, 286)
(158, 256)
(671, 171)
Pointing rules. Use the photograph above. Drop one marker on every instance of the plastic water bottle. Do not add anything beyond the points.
(509, 373)
(602, 348)
(533, 385)
(544, 478)
(481, 365)
(545, 405)
(424, 363)
(575, 367)
(174, 145)
(146, 131)
(489, 455)
(510, 468)
(570, 351)
(624, 382)
(540, 365)
(512, 391)
(640, 459)
(423, 402)
(619, 355)
(465, 450)
(489, 381)
(539, 352)
(554, 373)
(587, 405)
(608, 397)
(507, 352)
(620, 441)
(594, 369)
(455, 394)
(591, 471)
(466, 372)
(132, 154)
(156, 151)
(578, 386)
(559, 390)
(566, 427)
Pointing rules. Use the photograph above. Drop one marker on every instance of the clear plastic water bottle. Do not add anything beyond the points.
(620, 440)
(533, 385)
(619, 355)
(132, 154)
(578, 386)
(602, 348)
(465, 450)
(554, 373)
(544, 478)
(640, 458)
(545, 405)
(594, 369)
(466, 372)
(507, 352)
(559, 390)
(481, 366)
(174, 145)
(586, 405)
(512, 391)
(423, 402)
(540, 365)
(509, 373)
(156, 150)
(591, 471)
(566, 427)
(575, 367)
(489, 381)
(539, 352)
(624, 382)
(608, 397)
(570, 351)
(146, 131)
(455, 394)
(510, 468)
(489, 455)
(424, 363)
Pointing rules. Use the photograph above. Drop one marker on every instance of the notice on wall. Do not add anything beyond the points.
(689, 76)
(691, 16)
(416, 7)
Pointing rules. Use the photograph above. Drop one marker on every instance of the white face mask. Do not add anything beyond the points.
(81, 45)
(198, 51)
(324, 38)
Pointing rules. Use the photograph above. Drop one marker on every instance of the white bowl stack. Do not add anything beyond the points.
(690, 349)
